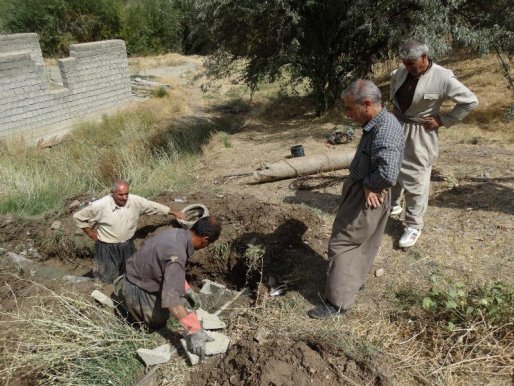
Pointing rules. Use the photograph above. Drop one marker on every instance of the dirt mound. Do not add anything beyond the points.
(282, 361)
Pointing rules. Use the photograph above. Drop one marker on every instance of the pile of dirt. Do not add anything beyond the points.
(282, 361)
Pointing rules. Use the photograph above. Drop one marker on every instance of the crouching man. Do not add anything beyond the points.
(154, 284)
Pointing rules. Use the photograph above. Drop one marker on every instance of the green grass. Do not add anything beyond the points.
(138, 145)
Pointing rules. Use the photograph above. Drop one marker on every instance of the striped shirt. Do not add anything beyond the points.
(379, 154)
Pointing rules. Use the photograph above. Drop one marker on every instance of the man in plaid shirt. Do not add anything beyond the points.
(366, 200)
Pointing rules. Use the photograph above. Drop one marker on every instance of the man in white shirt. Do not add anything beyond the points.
(418, 88)
(111, 222)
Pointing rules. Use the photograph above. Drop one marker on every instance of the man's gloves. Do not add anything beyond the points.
(192, 297)
(196, 343)
(196, 337)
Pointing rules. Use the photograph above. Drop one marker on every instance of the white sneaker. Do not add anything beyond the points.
(409, 238)
(397, 209)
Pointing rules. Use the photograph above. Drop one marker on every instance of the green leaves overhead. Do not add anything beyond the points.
(329, 43)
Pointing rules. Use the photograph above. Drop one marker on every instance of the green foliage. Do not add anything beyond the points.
(147, 26)
(509, 114)
(459, 306)
(332, 42)
(160, 92)
(221, 251)
(62, 22)
(151, 26)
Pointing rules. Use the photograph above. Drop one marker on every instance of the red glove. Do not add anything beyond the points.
(190, 323)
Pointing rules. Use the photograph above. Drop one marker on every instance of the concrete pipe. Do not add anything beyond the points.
(193, 213)
(303, 166)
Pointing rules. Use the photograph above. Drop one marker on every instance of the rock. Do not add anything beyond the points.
(74, 204)
(56, 225)
(76, 279)
(211, 287)
(6, 220)
(209, 321)
(103, 299)
(261, 335)
(161, 354)
(219, 346)
(18, 259)
(379, 272)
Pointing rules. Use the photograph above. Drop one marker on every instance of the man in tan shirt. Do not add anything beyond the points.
(111, 222)
(418, 88)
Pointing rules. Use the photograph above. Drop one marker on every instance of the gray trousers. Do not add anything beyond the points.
(110, 259)
(420, 153)
(141, 306)
(355, 240)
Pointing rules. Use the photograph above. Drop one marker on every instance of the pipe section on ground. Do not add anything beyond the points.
(303, 166)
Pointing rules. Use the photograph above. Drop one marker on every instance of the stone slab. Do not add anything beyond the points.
(18, 259)
(209, 321)
(102, 298)
(211, 287)
(158, 355)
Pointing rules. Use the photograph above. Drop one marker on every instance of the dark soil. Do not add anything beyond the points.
(279, 362)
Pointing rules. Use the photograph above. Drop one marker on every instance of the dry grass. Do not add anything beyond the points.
(140, 63)
(154, 144)
(65, 339)
(402, 350)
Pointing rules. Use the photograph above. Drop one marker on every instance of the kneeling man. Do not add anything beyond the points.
(154, 284)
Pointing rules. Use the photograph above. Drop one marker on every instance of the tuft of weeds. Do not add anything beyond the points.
(465, 331)
(225, 139)
(65, 339)
(160, 92)
(221, 251)
(458, 306)
(509, 114)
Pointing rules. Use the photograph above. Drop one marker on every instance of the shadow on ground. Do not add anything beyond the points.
(489, 196)
(286, 256)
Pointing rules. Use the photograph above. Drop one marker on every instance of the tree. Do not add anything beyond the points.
(151, 27)
(332, 42)
(62, 22)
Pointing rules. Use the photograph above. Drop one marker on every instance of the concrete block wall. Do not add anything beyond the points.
(95, 79)
(22, 42)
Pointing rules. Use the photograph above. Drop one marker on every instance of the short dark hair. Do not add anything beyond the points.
(207, 226)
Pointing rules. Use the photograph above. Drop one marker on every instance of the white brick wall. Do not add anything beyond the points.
(95, 79)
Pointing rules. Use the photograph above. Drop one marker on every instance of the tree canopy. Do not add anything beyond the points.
(332, 42)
